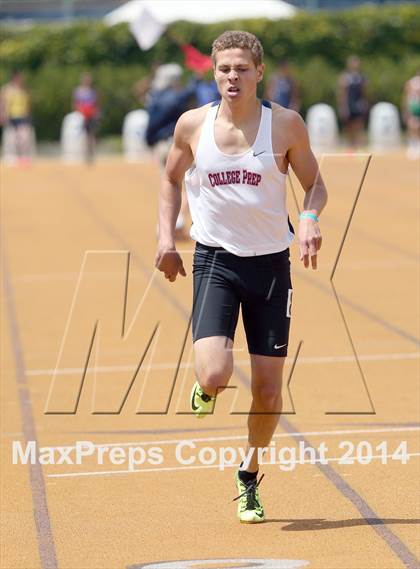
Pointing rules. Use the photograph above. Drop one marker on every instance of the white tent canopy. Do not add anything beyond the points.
(205, 11)
(149, 18)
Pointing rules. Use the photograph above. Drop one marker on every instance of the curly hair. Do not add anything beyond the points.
(243, 40)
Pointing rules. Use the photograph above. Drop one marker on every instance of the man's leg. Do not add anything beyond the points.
(359, 127)
(266, 404)
(266, 314)
(214, 366)
(25, 142)
(413, 137)
(214, 319)
(90, 126)
(213, 363)
(262, 421)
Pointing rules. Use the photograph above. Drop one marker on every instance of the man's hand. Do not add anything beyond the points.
(169, 262)
(310, 241)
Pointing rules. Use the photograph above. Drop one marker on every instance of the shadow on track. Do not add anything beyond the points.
(321, 523)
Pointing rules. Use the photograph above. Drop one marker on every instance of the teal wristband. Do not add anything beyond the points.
(306, 214)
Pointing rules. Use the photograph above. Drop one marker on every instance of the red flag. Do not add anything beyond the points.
(195, 60)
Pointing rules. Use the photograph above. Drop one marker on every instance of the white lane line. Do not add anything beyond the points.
(48, 277)
(243, 437)
(321, 475)
(202, 467)
(307, 360)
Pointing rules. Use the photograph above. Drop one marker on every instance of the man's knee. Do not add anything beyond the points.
(214, 379)
(268, 397)
(213, 363)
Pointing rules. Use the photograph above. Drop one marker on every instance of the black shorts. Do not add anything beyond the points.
(261, 285)
(90, 125)
(18, 122)
(355, 116)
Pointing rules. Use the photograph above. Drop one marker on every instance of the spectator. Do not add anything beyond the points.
(85, 101)
(283, 88)
(411, 115)
(141, 89)
(15, 114)
(206, 89)
(352, 101)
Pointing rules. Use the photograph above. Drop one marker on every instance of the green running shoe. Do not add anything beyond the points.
(250, 509)
(201, 403)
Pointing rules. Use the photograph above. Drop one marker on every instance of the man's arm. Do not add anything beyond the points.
(342, 98)
(3, 106)
(179, 160)
(404, 103)
(306, 168)
(29, 99)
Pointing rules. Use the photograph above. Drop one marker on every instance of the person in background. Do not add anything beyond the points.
(166, 102)
(352, 101)
(15, 114)
(206, 90)
(85, 101)
(143, 86)
(411, 115)
(283, 88)
(141, 89)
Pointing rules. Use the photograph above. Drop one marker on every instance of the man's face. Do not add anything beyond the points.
(236, 75)
(284, 69)
(87, 80)
(353, 64)
(18, 79)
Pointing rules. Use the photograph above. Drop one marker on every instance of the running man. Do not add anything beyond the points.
(352, 101)
(85, 101)
(411, 115)
(241, 149)
(15, 113)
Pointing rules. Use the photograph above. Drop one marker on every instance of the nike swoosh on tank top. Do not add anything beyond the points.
(238, 201)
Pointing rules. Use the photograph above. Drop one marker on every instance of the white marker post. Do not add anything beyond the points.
(384, 127)
(73, 138)
(134, 136)
(322, 128)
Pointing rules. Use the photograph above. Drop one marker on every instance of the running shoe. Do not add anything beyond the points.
(201, 403)
(250, 509)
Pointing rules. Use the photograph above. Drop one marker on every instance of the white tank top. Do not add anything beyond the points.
(238, 201)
